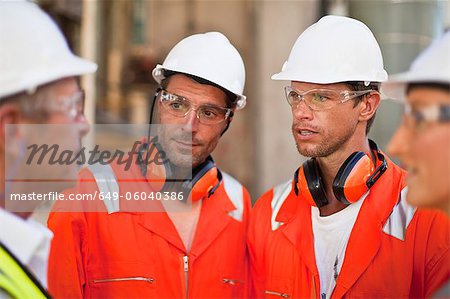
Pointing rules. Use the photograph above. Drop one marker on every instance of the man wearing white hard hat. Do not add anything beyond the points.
(38, 85)
(423, 140)
(341, 227)
(198, 252)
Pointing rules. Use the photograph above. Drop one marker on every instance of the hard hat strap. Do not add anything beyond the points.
(150, 122)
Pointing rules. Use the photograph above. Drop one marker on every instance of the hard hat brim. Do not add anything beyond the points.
(395, 87)
(158, 75)
(292, 75)
(70, 67)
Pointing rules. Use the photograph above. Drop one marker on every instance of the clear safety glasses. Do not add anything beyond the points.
(321, 99)
(72, 105)
(419, 117)
(179, 106)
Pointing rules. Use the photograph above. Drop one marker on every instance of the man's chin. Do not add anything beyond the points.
(182, 163)
(306, 152)
(186, 161)
(313, 151)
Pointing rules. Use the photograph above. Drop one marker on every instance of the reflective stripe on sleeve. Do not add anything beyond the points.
(400, 217)
(235, 192)
(107, 185)
(280, 193)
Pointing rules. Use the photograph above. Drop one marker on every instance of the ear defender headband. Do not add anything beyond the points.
(206, 177)
(354, 178)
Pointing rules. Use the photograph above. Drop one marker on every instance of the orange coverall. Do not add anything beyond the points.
(141, 255)
(394, 250)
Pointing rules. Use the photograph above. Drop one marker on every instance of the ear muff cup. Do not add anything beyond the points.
(206, 179)
(350, 183)
(309, 183)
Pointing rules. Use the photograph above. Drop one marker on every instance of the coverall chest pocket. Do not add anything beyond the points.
(121, 280)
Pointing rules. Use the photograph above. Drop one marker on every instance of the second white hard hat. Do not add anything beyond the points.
(335, 49)
(432, 65)
(209, 56)
(33, 51)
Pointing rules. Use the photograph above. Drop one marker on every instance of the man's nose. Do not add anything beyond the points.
(82, 124)
(191, 122)
(399, 143)
(302, 111)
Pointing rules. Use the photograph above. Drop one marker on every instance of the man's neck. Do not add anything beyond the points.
(23, 215)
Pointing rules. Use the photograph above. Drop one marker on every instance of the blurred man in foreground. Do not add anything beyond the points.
(423, 140)
(38, 85)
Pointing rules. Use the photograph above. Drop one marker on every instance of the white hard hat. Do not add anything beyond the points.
(209, 56)
(432, 65)
(33, 50)
(335, 49)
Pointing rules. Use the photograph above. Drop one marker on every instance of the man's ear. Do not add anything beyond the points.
(9, 115)
(233, 111)
(369, 105)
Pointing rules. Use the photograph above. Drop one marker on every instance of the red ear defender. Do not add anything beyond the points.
(355, 177)
(206, 178)
(205, 184)
(350, 181)
(308, 181)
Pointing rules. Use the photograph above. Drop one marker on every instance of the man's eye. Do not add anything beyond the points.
(295, 97)
(318, 97)
(210, 113)
(417, 116)
(176, 105)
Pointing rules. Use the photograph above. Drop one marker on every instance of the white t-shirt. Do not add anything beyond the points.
(331, 234)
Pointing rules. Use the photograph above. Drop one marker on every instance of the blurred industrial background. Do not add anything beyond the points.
(127, 38)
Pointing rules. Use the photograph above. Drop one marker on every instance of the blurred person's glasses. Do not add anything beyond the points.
(419, 117)
(180, 107)
(72, 105)
(321, 99)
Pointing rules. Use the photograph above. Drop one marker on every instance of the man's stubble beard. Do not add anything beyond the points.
(329, 145)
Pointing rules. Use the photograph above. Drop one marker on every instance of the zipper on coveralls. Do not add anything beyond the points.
(149, 280)
(284, 295)
(232, 282)
(186, 273)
